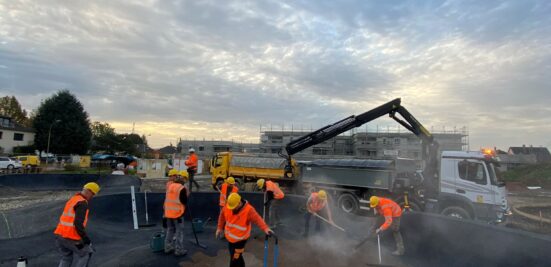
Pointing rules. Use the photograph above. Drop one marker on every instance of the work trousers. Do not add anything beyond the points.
(174, 239)
(236, 253)
(309, 215)
(68, 249)
(191, 173)
(395, 228)
(272, 212)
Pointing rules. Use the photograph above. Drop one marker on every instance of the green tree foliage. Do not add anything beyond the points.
(10, 107)
(71, 134)
(105, 140)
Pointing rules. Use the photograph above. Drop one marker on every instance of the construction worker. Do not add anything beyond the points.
(273, 195)
(226, 189)
(391, 213)
(174, 207)
(191, 163)
(235, 219)
(71, 237)
(317, 204)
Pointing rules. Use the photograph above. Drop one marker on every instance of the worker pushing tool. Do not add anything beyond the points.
(226, 189)
(273, 195)
(317, 204)
(174, 207)
(236, 220)
(191, 163)
(391, 213)
(71, 237)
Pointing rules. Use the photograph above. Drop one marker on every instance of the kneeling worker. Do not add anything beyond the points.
(71, 238)
(174, 207)
(273, 195)
(236, 218)
(391, 212)
(226, 189)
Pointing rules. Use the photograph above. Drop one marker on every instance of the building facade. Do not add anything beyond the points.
(13, 135)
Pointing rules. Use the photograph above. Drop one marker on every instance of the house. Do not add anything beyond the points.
(13, 135)
(541, 153)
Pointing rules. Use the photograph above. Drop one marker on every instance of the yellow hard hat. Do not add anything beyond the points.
(260, 183)
(322, 195)
(233, 201)
(373, 201)
(184, 174)
(93, 187)
(230, 180)
(173, 172)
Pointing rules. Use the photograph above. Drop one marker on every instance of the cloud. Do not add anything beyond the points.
(231, 67)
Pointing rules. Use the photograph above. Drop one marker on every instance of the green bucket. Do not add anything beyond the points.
(197, 225)
(157, 242)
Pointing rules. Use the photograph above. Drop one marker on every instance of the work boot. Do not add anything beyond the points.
(181, 253)
(169, 249)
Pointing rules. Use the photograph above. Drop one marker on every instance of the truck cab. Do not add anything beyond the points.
(470, 187)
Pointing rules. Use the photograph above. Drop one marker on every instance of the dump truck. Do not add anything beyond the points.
(248, 168)
(462, 184)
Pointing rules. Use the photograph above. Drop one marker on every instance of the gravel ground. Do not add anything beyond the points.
(14, 199)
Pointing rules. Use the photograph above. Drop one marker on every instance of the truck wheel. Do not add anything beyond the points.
(218, 184)
(412, 206)
(348, 203)
(456, 212)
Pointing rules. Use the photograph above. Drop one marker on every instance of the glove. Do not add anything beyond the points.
(379, 230)
(217, 234)
(269, 232)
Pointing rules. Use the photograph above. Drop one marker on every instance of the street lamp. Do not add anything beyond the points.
(48, 147)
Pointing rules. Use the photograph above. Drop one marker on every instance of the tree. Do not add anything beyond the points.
(104, 138)
(10, 107)
(68, 121)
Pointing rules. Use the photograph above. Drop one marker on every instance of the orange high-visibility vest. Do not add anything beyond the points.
(273, 187)
(173, 207)
(388, 209)
(224, 193)
(66, 226)
(192, 161)
(316, 204)
(237, 228)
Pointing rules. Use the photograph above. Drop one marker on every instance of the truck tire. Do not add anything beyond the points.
(348, 203)
(218, 184)
(412, 205)
(456, 212)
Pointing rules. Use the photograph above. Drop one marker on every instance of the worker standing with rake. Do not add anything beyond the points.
(317, 205)
(236, 220)
(391, 213)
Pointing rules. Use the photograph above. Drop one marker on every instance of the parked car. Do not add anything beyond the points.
(50, 159)
(29, 161)
(9, 163)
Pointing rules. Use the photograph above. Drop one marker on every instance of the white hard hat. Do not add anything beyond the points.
(191, 150)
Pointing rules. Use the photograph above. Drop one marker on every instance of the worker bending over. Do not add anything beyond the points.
(191, 163)
(273, 195)
(236, 218)
(226, 189)
(71, 238)
(317, 204)
(174, 207)
(391, 213)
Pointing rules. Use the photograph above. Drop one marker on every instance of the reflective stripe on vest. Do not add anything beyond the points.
(173, 207)
(273, 187)
(238, 227)
(316, 204)
(66, 226)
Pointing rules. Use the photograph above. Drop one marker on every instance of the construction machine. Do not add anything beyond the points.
(461, 184)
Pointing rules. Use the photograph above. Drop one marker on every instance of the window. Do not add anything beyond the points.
(4, 159)
(18, 137)
(397, 141)
(472, 171)
(384, 141)
(201, 148)
(1, 135)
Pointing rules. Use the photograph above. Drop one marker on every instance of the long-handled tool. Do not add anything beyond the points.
(147, 224)
(193, 227)
(276, 250)
(379, 245)
(327, 221)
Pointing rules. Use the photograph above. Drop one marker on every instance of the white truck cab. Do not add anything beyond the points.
(470, 187)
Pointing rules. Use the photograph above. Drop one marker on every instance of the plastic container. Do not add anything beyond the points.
(198, 225)
(157, 242)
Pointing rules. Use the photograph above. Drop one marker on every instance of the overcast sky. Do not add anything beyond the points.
(220, 69)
